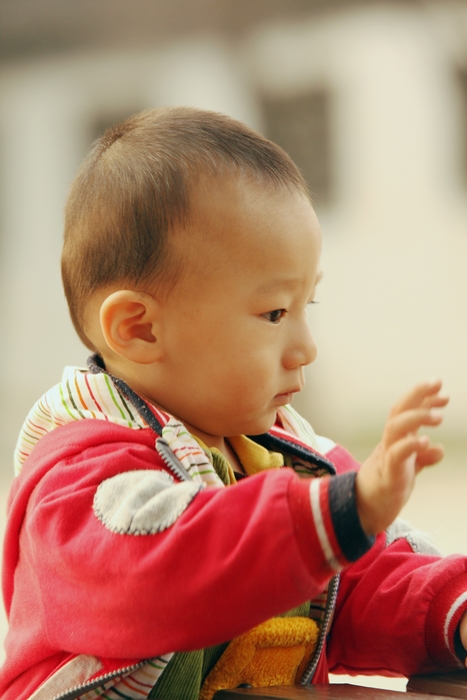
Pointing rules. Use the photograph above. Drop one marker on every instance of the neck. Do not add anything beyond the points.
(217, 441)
(220, 443)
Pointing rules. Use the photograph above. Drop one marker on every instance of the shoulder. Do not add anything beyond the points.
(91, 443)
(78, 397)
(89, 451)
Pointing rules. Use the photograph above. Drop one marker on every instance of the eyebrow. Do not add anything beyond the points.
(287, 283)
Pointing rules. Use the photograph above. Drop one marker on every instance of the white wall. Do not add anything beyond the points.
(395, 251)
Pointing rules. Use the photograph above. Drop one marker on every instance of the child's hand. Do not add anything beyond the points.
(386, 479)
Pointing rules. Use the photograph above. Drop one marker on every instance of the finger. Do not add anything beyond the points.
(429, 456)
(436, 401)
(417, 395)
(402, 450)
(410, 421)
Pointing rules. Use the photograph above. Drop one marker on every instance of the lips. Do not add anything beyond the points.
(287, 396)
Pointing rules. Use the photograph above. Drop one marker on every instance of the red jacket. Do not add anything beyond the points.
(78, 592)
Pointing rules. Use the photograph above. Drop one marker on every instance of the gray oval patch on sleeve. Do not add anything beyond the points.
(419, 542)
(142, 502)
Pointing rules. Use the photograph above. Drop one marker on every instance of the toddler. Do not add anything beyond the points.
(174, 526)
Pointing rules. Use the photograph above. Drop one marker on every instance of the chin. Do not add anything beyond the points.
(262, 426)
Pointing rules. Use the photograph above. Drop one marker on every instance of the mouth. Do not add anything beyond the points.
(286, 397)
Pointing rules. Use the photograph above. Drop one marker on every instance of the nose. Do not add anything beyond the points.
(301, 349)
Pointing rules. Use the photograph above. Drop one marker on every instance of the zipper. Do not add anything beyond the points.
(173, 463)
(178, 470)
(77, 691)
(330, 605)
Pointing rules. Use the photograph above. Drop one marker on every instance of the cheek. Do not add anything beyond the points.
(234, 356)
(248, 378)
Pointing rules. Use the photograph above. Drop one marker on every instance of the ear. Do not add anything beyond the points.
(130, 325)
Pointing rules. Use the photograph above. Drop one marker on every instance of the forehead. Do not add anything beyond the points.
(240, 216)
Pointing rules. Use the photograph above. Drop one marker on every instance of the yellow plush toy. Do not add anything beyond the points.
(276, 652)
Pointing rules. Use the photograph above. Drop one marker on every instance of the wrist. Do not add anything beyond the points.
(365, 510)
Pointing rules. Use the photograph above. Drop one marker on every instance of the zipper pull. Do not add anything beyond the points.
(173, 463)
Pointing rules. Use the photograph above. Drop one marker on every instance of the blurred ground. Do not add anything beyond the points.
(437, 507)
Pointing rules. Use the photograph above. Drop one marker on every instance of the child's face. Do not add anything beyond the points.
(235, 336)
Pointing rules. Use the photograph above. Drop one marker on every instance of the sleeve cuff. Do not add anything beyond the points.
(334, 512)
(352, 539)
(443, 619)
(326, 523)
(461, 653)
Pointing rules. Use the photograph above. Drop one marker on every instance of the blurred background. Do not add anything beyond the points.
(369, 98)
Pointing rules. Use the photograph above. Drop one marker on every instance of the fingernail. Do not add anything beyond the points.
(436, 415)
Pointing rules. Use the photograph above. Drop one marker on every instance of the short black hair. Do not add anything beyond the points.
(135, 185)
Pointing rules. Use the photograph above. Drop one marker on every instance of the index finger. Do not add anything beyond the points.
(427, 392)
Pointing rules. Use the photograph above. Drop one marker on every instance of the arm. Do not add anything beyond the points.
(397, 612)
(229, 559)
(404, 608)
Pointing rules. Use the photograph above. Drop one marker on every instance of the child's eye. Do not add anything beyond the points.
(275, 316)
